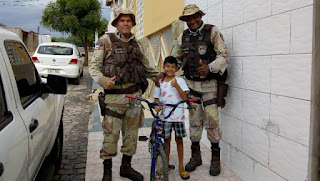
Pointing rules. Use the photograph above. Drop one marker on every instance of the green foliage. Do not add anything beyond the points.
(80, 18)
(70, 39)
(1, 24)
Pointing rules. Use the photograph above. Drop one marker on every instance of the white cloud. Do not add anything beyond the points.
(25, 3)
(26, 14)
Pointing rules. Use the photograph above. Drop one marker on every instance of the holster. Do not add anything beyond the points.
(144, 85)
(222, 90)
(102, 104)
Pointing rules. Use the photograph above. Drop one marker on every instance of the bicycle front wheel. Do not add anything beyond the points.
(161, 166)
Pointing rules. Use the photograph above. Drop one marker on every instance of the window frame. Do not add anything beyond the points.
(7, 117)
(34, 95)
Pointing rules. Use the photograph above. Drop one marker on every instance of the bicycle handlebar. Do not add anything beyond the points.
(151, 105)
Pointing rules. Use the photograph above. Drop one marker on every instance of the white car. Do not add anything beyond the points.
(31, 128)
(59, 59)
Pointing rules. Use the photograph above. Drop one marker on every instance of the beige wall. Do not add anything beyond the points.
(17, 31)
(159, 14)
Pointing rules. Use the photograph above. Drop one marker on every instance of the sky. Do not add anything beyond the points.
(26, 14)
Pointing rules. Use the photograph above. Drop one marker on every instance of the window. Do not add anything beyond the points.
(27, 79)
(55, 50)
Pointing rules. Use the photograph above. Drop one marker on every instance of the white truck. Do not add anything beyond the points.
(31, 110)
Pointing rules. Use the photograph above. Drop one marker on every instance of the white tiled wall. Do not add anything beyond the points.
(301, 26)
(288, 159)
(242, 165)
(265, 124)
(273, 35)
(251, 6)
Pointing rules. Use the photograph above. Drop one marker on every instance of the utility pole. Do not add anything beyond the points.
(39, 37)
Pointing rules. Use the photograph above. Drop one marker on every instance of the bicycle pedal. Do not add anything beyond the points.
(143, 138)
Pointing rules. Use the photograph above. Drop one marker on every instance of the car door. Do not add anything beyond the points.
(36, 109)
(13, 133)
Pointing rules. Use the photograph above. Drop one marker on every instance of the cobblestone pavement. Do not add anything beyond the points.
(77, 112)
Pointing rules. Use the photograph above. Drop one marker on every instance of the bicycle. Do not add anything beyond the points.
(159, 168)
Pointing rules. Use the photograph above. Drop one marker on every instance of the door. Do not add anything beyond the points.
(36, 109)
(13, 134)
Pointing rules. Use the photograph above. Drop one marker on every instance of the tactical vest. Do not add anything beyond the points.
(124, 62)
(195, 48)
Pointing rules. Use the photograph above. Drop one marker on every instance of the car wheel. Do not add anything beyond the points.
(55, 156)
(81, 75)
(76, 81)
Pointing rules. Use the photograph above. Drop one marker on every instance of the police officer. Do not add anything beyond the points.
(120, 67)
(203, 54)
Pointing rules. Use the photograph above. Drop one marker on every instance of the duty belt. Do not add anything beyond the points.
(112, 113)
(129, 90)
(205, 103)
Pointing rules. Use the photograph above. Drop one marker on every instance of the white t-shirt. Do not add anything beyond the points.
(170, 95)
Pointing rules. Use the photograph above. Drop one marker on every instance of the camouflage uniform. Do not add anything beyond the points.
(208, 117)
(117, 102)
(119, 66)
(191, 47)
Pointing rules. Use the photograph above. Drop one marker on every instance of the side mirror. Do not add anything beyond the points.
(56, 85)
(83, 55)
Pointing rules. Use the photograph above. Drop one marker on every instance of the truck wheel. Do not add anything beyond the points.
(55, 156)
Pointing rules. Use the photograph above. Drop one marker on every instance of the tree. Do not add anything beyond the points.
(104, 25)
(2, 25)
(70, 39)
(80, 18)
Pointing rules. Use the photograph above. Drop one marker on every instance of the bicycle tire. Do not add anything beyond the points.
(160, 154)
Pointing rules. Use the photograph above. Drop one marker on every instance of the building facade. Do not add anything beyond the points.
(30, 38)
(266, 122)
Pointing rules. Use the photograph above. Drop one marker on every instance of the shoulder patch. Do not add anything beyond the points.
(99, 44)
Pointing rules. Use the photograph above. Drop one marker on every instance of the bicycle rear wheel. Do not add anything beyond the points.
(161, 166)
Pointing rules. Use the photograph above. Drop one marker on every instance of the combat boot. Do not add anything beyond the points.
(195, 159)
(215, 166)
(127, 171)
(107, 170)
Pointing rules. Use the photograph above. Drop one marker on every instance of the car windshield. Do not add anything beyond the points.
(55, 50)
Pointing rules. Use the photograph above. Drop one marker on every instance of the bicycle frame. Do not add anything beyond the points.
(155, 144)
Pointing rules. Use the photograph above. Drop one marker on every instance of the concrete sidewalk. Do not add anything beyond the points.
(141, 160)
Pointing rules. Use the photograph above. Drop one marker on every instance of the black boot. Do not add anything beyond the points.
(195, 159)
(127, 171)
(215, 167)
(107, 170)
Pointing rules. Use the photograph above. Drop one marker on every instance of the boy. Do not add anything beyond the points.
(172, 90)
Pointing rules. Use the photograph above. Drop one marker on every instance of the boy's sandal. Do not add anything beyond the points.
(159, 171)
(184, 175)
(171, 167)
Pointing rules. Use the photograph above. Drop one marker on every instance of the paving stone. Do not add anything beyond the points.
(80, 171)
(75, 121)
(80, 165)
(81, 176)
